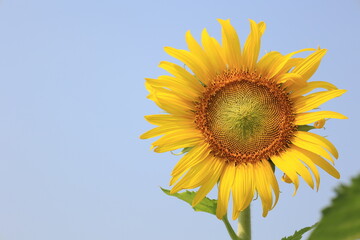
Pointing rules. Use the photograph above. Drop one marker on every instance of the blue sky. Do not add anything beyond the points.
(72, 102)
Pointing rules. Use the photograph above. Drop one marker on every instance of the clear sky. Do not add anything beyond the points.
(72, 102)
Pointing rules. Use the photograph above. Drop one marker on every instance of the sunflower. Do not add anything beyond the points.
(236, 117)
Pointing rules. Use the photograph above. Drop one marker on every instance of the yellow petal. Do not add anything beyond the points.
(176, 140)
(294, 78)
(310, 117)
(182, 76)
(201, 71)
(278, 65)
(213, 51)
(262, 27)
(171, 102)
(272, 180)
(196, 49)
(312, 147)
(300, 168)
(290, 64)
(243, 188)
(159, 119)
(319, 140)
(168, 128)
(238, 190)
(177, 88)
(263, 187)
(226, 183)
(310, 64)
(265, 64)
(193, 157)
(283, 165)
(217, 169)
(252, 45)
(314, 100)
(231, 44)
(311, 86)
(300, 155)
(326, 166)
(196, 176)
(193, 45)
(173, 83)
(160, 96)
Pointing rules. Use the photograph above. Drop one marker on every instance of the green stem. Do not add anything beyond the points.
(244, 225)
(230, 229)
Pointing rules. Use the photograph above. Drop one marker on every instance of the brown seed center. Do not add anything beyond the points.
(245, 118)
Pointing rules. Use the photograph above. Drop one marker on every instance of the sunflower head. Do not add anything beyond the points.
(241, 115)
(236, 116)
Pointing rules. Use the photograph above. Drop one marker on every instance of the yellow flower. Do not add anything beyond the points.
(236, 115)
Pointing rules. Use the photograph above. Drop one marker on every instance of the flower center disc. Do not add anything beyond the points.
(246, 120)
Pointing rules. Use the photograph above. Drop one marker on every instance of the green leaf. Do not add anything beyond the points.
(305, 128)
(206, 205)
(341, 220)
(298, 234)
(185, 150)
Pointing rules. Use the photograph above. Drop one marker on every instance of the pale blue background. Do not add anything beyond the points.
(72, 102)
